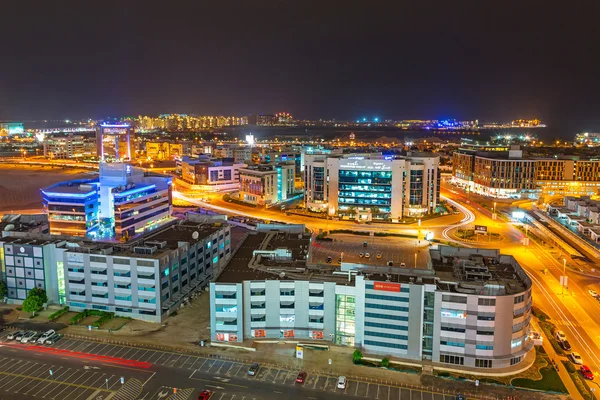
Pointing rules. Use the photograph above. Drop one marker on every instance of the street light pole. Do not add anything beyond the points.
(415, 260)
(564, 277)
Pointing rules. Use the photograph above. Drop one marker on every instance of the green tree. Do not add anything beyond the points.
(37, 292)
(32, 304)
(35, 300)
(3, 289)
(357, 356)
(385, 363)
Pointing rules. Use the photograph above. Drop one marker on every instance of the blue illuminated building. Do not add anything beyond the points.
(121, 203)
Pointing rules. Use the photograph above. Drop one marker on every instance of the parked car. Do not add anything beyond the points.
(34, 339)
(20, 336)
(593, 293)
(28, 336)
(565, 345)
(13, 335)
(367, 255)
(253, 370)
(390, 263)
(301, 377)
(204, 395)
(365, 244)
(341, 384)
(361, 255)
(378, 256)
(586, 372)
(45, 336)
(53, 339)
(403, 264)
(575, 358)
(329, 260)
(560, 336)
(459, 396)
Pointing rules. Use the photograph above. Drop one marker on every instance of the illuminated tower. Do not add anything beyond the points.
(113, 142)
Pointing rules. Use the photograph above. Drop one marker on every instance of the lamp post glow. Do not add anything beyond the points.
(415, 260)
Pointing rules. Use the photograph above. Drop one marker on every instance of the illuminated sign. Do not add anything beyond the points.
(259, 333)
(387, 286)
(315, 334)
(288, 333)
(429, 236)
(114, 130)
(367, 165)
(480, 229)
(518, 215)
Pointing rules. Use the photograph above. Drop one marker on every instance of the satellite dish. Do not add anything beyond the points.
(195, 235)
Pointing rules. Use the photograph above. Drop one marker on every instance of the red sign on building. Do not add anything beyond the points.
(387, 286)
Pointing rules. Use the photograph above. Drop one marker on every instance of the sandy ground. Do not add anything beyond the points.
(20, 185)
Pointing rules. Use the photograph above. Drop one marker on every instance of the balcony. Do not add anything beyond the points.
(315, 325)
(258, 298)
(146, 282)
(226, 301)
(75, 275)
(77, 287)
(258, 324)
(145, 270)
(149, 306)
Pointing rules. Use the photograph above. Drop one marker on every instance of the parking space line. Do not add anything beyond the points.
(219, 370)
(148, 355)
(28, 369)
(197, 359)
(50, 381)
(212, 365)
(157, 353)
(232, 365)
(127, 352)
(266, 374)
(356, 391)
(316, 380)
(367, 393)
(276, 375)
(169, 358)
(65, 381)
(377, 397)
(17, 365)
(120, 349)
(34, 373)
(111, 350)
(33, 387)
(72, 344)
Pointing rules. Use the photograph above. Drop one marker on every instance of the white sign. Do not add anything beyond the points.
(299, 352)
(330, 361)
(477, 382)
(122, 380)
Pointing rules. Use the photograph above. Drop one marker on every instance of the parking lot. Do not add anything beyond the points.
(396, 249)
(198, 366)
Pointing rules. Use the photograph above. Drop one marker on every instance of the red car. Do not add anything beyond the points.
(204, 395)
(586, 372)
(301, 377)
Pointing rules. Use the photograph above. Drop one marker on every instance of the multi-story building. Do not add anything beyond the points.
(240, 154)
(11, 128)
(121, 203)
(366, 186)
(164, 150)
(114, 142)
(506, 173)
(267, 184)
(467, 307)
(64, 147)
(211, 174)
(147, 279)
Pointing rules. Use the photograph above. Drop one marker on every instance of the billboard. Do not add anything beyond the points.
(259, 333)
(387, 286)
(480, 229)
(315, 334)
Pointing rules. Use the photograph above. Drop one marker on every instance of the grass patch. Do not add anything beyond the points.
(579, 381)
(539, 314)
(550, 381)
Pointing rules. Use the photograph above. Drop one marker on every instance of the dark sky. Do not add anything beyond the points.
(330, 59)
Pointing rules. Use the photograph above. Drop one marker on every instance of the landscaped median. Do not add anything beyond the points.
(580, 383)
(88, 318)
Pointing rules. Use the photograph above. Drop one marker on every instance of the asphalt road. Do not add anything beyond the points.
(82, 370)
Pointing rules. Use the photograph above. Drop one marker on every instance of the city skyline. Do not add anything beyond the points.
(321, 62)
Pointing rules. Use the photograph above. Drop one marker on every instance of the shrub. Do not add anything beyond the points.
(104, 317)
(58, 314)
(569, 366)
(385, 363)
(357, 356)
(539, 314)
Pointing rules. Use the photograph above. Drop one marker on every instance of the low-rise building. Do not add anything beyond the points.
(147, 279)
(164, 150)
(465, 308)
(67, 147)
(267, 184)
(211, 174)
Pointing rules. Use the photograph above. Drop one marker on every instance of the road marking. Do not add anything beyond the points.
(65, 381)
(367, 393)
(148, 380)
(36, 385)
(377, 397)
(222, 383)
(202, 363)
(40, 368)
(232, 365)
(197, 359)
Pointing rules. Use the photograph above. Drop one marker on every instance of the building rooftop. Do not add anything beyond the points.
(83, 187)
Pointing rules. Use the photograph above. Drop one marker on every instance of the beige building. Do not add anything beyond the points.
(267, 184)
(164, 150)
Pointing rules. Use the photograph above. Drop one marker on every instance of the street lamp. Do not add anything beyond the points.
(563, 280)
(415, 260)
(494, 207)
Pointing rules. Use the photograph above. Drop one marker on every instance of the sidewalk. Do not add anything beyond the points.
(562, 372)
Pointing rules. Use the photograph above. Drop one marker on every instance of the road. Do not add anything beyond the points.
(573, 310)
(83, 370)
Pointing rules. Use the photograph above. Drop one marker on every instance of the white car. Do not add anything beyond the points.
(13, 335)
(593, 293)
(341, 382)
(45, 336)
(361, 255)
(576, 358)
(367, 255)
(27, 337)
(560, 336)
(403, 264)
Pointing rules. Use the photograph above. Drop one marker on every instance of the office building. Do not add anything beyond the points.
(65, 147)
(211, 174)
(121, 203)
(240, 154)
(506, 173)
(164, 150)
(114, 142)
(267, 184)
(466, 307)
(372, 186)
(147, 279)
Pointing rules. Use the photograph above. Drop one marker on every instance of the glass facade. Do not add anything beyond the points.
(365, 189)
(345, 319)
(416, 188)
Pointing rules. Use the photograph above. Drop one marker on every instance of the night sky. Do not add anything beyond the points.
(321, 59)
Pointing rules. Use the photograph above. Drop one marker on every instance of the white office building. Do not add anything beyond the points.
(372, 186)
